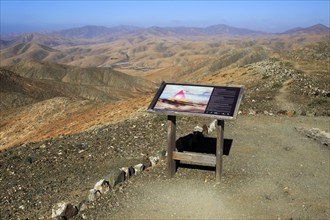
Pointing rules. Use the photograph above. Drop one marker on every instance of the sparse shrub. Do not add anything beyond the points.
(249, 43)
(279, 45)
(301, 39)
(216, 44)
(288, 65)
(17, 60)
(324, 101)
(139, 49)
(227, 60)
(39, 55)
(254, 58)
(274, 59)
(277, 85)
(161, 47)
(168, 53)
(60, 56)
(160, 118)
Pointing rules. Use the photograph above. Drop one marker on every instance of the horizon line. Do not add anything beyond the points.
(41, 30)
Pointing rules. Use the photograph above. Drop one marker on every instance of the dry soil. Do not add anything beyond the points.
(273, 171)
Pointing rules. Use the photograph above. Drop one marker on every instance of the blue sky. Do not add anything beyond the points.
(269, 16)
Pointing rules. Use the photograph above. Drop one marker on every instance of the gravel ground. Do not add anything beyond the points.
(35, 176)
(273, 171)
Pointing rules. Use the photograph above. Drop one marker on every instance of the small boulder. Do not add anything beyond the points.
(115, 177)
(64, 211)
(154, 160)
(129, 171)
(162, 154)
(102, 186)
(138, 168)
(93, 194)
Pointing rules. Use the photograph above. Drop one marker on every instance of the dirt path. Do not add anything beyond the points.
(273, 172)
(281, 98)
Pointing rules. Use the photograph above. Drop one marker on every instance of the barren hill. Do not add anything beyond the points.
(86, 83)
(83, 76)
(48, 100)
(16, 91)
(31, 81)
(25, 51)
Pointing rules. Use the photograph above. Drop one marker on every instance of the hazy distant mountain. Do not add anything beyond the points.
(315, 29)
(92, 31)
(84, 35)
(215, 30)
(223, 29)
(49, 40)
(183, 31)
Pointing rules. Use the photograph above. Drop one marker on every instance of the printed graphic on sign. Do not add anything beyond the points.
(220, 102)
(183, 98)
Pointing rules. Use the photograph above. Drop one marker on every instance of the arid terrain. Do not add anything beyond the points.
(73, 106)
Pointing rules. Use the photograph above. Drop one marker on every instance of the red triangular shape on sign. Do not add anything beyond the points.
(180, 95)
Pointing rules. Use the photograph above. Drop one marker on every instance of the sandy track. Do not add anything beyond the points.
(272, 172)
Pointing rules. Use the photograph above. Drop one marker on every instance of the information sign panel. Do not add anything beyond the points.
(220, 102)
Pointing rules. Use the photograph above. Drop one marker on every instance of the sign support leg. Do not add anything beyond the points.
(219, 151)
(171, 137)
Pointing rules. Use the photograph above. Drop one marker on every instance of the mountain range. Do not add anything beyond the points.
(144, 48)
(94, 33)
(82, 74)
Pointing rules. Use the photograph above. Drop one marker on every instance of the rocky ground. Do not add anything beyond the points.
(284, 87)
(278, 167)
(35, 175)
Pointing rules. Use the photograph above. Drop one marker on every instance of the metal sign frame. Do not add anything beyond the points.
(237, 91)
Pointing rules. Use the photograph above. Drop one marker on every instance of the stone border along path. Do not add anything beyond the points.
(64, 211)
